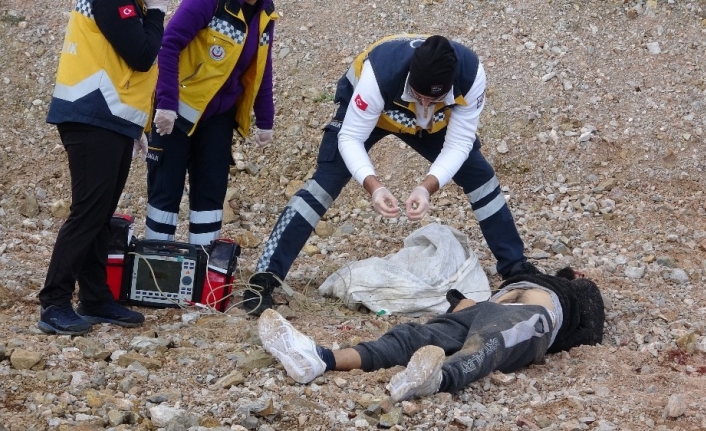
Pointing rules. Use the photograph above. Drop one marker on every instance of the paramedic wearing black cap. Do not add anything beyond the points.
(429, 92)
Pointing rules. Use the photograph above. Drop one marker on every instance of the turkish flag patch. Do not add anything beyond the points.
(360, 103)
(127, 11)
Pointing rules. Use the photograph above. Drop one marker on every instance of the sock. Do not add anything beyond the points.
(326, 355)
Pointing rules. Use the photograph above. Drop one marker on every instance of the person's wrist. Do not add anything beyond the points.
(424, 189)
(377, 190)
(371, 184)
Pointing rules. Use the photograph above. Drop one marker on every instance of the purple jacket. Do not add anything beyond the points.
(190, 17)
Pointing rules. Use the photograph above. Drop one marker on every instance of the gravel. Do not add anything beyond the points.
(594, 122)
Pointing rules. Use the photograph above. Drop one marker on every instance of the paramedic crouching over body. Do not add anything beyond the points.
(429, 92)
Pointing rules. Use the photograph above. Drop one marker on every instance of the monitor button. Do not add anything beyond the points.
(186, 281)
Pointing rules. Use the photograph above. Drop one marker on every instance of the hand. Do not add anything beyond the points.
(140, 148)
(263, 138)
(417, 204)
(164, 121)
(157, 4)
(384, 203)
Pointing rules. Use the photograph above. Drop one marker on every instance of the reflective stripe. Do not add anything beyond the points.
(490, 208)
(203, 217)
(151, 234)
(160, 216)
(101, 81)
(202, 238)
(352, 78)
(273, 241)
(484, 190)
(302, 208)
(189, 113)
(524, 330)
(319, 193)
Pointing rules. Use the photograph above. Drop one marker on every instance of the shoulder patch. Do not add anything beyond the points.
(360, 103)
(480, 100)
(127, 11)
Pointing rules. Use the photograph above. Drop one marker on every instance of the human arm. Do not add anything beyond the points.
(136, 41)
(362, 115)
(264, 107)
(460, 133)
(189, 18)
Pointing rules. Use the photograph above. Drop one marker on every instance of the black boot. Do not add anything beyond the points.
(258, 297)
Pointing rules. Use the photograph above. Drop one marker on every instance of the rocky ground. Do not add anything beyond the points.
(594, 122)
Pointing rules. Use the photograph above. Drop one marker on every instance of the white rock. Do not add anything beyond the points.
(634, 272)
(675, 406)
(162, 414)
(117, 354)
(653, 48)
(502, 147)
(189, 317)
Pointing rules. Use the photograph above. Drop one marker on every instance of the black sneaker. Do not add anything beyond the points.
(63, 320)
(258, 297)
(110, 312)
(522, 267)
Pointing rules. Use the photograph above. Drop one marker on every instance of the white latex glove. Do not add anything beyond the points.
(140, 148)
(263, 138)
(157, 4)
(164, 121)
(417, 204)
(384, 203)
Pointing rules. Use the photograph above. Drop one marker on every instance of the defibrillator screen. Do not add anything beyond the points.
(167, 275)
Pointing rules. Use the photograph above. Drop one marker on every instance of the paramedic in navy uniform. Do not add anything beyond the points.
(101, 105)
(215, 69)
(428, 92)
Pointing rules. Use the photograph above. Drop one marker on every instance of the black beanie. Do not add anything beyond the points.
(433, 67)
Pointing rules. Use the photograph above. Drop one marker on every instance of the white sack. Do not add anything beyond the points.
(434, 259)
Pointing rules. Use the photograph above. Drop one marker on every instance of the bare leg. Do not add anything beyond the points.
(347, 359)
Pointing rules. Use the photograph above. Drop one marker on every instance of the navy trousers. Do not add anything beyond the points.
(479, 339)
(309, 204)
(206, 156)
(99, 162)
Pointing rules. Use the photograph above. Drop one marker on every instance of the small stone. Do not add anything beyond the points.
(634, 272)
(392, 418)
(675, 406)
(162, 414)
(22, 359)
(293, 187)
(247, 239)
(60, 209)
(502, 379)
(149, 363)
(324, 229)
(310, 249)
(653, 48)
(234, 378)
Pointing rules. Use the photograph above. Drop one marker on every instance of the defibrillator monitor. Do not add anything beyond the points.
(165, 273)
